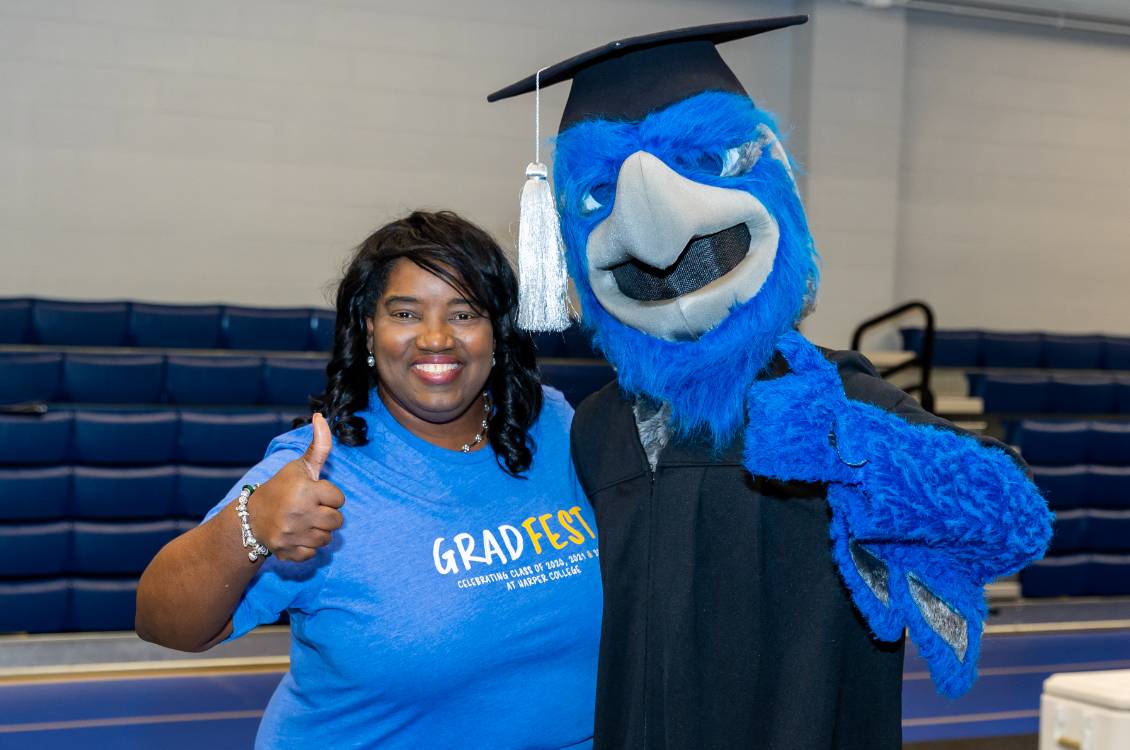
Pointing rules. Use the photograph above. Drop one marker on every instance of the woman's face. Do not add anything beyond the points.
(433, 352)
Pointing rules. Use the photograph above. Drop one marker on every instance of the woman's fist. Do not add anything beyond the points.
(296, 512)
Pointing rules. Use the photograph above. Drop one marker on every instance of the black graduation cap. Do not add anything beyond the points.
(627, 79)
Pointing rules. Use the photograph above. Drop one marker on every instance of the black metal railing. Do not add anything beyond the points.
(923, 359)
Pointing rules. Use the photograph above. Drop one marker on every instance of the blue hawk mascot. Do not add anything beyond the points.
(773, 517)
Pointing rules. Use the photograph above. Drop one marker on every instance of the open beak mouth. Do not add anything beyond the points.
(703, 260)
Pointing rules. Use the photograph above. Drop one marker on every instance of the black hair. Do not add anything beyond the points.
(467, 258)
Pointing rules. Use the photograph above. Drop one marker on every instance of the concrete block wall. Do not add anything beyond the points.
(235, 150)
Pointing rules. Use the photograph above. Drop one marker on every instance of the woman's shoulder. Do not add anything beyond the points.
(556, 411)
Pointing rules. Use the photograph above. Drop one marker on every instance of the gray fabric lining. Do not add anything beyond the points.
(941, 617)
(653, 423)
(873, 571)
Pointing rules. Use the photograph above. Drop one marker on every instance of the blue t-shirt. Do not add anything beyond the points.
(457, 607)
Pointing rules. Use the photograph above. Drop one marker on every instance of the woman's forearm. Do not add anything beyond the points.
(187, 594)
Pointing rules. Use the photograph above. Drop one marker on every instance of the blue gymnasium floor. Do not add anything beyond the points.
(219, 708)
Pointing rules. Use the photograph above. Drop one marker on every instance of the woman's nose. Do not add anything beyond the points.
(435, 336)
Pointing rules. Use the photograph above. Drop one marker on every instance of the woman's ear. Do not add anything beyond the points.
(369, 333)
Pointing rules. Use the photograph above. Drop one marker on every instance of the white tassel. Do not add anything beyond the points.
(543, 286)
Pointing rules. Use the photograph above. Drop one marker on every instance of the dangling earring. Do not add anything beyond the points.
(371, 361)
(492, 362)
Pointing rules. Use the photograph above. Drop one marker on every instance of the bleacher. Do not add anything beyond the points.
(1064, 402)
(122, 423)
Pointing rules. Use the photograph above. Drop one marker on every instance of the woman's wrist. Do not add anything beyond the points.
(255, 549)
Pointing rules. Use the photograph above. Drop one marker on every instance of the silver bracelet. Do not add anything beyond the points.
(249, 541)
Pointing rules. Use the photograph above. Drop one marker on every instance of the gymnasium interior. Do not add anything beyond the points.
(182, 182)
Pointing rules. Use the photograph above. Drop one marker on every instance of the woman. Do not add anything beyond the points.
(426, 533)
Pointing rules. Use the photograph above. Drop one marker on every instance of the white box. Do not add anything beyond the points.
(1086, 711)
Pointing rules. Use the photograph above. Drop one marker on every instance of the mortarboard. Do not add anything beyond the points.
(628, 78)
(622, 80)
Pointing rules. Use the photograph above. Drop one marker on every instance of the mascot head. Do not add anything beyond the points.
(685, 236)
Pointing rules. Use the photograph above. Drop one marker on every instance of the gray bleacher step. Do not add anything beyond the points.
(30, 656)
(959, 406)
(884, 359)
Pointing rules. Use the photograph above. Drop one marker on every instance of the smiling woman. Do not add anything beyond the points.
(442, 585)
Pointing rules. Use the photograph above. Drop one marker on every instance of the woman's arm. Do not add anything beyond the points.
(188, 593)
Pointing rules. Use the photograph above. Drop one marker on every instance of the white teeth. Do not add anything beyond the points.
(435, 369)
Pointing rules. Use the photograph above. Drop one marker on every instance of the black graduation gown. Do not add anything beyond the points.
(726, 623)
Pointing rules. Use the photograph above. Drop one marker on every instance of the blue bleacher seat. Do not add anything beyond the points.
(1069, 532)
(35, 439)
(198, 381)
(1057, 576)
(1108, 443)
(35, 494)
(125, 439)
(113, 379)
(1073, 352)
(286, 329)
(226, 439)
(322, 330)
(912, 339)
(34, 549)
(577, 380)
(291, 382)
(1081, 394)
(1108, 531)
(15, 321)
(1108, 487)
(107, 604)
(1053, 443)
(118, 548)
(175, 326)
(286, 420)
(1110, 575)
(578, 344)
(199, 488)
(1065, 487)
(957, 348)
(26, 376)
(1116, 353)
(124, 493)
(549, 344)
(34, 606)
(80, 323)
(1122, 394)
(1025, 394)
(1011, 349)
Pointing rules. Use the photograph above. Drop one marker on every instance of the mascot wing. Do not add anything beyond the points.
(922, 517)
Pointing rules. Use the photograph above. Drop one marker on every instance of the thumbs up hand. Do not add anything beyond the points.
(296, 512)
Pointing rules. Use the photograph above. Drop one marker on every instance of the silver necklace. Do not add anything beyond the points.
(483, 428)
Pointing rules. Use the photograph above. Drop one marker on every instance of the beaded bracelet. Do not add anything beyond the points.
(249, 541)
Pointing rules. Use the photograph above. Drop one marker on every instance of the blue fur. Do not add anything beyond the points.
(927, 502)
(702, 380)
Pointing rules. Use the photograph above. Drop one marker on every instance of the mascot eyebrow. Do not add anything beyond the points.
(693, 262)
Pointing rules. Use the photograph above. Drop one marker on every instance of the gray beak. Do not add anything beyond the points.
(675, 256)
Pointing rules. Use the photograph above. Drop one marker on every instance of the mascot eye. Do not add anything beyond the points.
(740, 159)
(597, 198)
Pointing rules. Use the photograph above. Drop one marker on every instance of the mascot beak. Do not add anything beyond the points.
(675, 256)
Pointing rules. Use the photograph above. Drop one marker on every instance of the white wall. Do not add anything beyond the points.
(853, 101)
(235, 150)
(1015, 199)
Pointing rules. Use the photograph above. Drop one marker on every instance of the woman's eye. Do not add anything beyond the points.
(738, 160)
(403, 315)
(464, 316)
